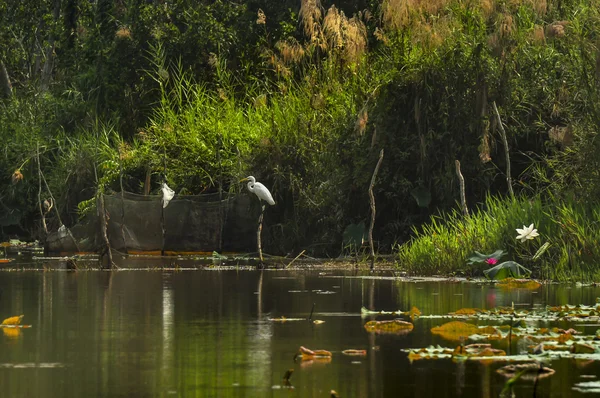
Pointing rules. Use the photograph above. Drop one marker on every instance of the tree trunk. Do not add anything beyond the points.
(49, 59)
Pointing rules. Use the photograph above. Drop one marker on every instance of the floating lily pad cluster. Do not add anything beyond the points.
(505, 328)
(536, 346)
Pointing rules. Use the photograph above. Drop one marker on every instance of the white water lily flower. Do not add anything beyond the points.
(527, 233)
(168, 194)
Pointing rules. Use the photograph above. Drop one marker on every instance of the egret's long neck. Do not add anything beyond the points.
(251, 186)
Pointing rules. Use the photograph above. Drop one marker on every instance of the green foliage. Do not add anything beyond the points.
(440, 246)
(202, 94)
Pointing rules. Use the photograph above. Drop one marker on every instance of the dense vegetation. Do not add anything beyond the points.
(303, 95)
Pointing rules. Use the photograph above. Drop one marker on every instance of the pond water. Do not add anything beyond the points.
(208, 333)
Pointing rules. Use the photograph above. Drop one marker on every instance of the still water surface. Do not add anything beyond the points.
(208, 334)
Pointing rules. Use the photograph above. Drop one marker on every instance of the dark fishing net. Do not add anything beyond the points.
(190, 223)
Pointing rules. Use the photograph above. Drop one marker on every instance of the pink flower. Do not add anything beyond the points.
(491, 261)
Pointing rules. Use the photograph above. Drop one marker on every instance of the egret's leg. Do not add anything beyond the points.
(258, 235)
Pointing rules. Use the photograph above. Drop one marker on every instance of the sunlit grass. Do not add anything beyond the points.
(443, 245)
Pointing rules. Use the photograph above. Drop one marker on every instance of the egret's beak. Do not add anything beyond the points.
(243, 179)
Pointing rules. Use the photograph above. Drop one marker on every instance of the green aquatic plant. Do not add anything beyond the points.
(569, 228)
(507, 269)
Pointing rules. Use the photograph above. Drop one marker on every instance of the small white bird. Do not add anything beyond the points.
(527, 233)
(259, 190)
(168, 194)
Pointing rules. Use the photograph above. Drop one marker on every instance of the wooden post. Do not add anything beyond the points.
(122, 203)
(372, 202)
(147, 181)
(463, 196)
(505, 142)
(42, 213)
(221, 217)
(162, 207)
(104, 228)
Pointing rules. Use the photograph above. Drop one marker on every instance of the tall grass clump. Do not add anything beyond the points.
(442, 246)
(195, 137)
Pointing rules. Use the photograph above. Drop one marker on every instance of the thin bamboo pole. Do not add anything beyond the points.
(505, 142)
(42, 213)
(463, 196)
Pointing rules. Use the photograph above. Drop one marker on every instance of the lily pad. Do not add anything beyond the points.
(395, 326)
(527, 371)
(512, 283)
(477, 257)
(308, 354)
(456, 330)
(587, 386)
(15, 320)
(413, 313)
(507, 269)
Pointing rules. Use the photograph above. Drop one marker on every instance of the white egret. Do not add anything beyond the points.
(263, 194)
(259, 190)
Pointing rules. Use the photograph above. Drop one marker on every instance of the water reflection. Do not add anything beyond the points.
(150, 333)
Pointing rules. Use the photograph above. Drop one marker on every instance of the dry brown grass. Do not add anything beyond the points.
(125, 152)
(485, 147)
(290, 51)
(538, 35)
(381, 36)
(355, 39)
(487, 7)
(333, 26)
(432, 34)
(506, 25)
(123, 33)
(261, 18)
(347, 37)
(398, 14)
(556, 29)
(539, 6)
(16, 176)
(361, 121)
(562, 136)
(310, 16)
